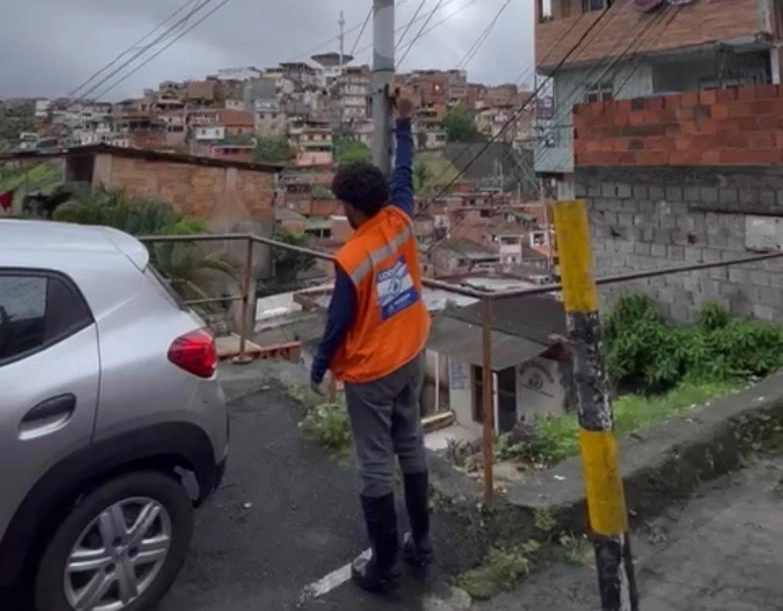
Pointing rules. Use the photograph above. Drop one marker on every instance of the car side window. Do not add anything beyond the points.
(37, 310)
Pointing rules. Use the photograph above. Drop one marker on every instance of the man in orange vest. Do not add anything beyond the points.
(374, 342)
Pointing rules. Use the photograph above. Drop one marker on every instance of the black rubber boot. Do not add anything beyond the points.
(380, 572)
(417, 546)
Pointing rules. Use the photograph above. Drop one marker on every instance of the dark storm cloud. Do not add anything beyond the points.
(48, 47)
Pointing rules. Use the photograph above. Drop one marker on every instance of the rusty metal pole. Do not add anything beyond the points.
(243, 358)
(486, 402)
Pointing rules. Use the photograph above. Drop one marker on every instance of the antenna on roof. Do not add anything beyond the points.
(341, 23)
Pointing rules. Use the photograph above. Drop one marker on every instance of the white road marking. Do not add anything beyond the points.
(328, 583)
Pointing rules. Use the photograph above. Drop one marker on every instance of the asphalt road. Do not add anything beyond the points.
(286, 516)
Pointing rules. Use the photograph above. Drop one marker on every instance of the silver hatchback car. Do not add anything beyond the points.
(108, 401)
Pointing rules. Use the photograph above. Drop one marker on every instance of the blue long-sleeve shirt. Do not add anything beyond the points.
(342, 308)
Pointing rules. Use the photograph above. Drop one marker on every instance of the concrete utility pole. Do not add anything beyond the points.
(382, 77)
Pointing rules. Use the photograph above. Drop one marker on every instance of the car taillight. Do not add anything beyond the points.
(195, 353)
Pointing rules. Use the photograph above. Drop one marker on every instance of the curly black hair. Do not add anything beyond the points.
(362, 185)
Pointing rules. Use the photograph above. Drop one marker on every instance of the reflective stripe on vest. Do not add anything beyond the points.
(379, 254)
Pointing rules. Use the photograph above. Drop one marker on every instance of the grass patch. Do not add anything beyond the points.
(548, 441)
(500, 572)
(544, 521)
(574, 547)
(328, 425)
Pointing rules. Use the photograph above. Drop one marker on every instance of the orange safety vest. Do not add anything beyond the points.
(392, 322)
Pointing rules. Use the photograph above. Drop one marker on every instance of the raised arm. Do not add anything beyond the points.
(402, 177)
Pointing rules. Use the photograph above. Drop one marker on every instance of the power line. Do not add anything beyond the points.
(410, 23)
(515, 115)
(634, 44)
(531, 71)
(361, 32)
(637, 40)
(435, 26)
(337, 38)
(594, 34)
(468, 57)
(132, 47)
(421, 31)
(159, 39)
(162, 49)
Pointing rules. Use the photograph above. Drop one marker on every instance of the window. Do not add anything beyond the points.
(595, 5)
(37, 310)
(602, 92)
(544, 10)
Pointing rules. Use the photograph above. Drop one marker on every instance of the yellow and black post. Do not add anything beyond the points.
(606, 509)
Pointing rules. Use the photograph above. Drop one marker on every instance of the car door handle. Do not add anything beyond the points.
(47, 416)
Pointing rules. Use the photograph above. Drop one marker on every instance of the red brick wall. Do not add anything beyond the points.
(735, 126)
(218, 195)
(325, 207)
(695, 24)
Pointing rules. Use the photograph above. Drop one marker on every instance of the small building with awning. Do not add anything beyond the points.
(530, 363)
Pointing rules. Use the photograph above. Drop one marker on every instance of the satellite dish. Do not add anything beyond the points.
(647, 5)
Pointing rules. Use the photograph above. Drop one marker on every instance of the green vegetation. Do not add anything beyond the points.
(328, 424)
(349, 150)
(41, 177)
(240, 140)
(273, 150)
(500, 572)
(288, 263)
(431, 174)
(460, 126)
(12, 126)
(188, 266)
(322, 193)
(544, 521)
(548, 441)
(575, 548)
(648, 353)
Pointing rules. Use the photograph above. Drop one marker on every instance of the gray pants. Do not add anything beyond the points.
(386, 420)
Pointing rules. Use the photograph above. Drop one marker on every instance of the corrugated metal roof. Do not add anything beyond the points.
(463, 341)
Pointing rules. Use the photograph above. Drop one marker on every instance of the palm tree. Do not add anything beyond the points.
(188, 266)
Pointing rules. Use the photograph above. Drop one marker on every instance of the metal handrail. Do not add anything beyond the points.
(467, 291)
(486, 298)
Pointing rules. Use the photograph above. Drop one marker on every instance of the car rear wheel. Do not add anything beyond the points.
(119, 549)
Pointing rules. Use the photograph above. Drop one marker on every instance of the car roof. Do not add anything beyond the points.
(19, 234)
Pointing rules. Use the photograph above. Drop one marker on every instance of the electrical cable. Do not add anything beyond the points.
(131, 48)
(433, 27)
(531, 71)
(410, 23)
(419, 34)
(577, 91)
(158, 40)
(361, 32)
(474, 49)
(162, 49)
(444, 190)
(514, 115)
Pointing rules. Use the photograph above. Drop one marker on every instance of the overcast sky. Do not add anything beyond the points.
(49, 47)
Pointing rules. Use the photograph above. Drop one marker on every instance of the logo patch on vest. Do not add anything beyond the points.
(396, 291)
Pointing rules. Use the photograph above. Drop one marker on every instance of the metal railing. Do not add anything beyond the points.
(485, 297)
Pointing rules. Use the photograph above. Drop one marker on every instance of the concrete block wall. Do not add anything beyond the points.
(649, 218)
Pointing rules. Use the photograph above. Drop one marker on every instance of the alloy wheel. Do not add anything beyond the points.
(118, 555)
